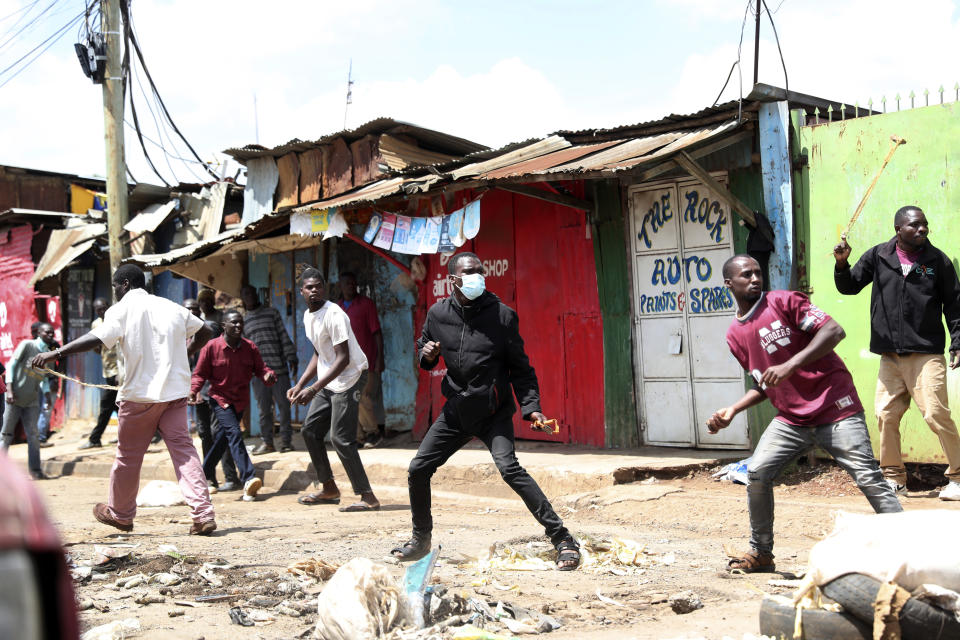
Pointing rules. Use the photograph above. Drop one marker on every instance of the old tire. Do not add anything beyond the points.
(918, 620)
(777, 620)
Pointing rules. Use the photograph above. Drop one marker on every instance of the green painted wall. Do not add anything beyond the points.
(613, 282)
(843, 158)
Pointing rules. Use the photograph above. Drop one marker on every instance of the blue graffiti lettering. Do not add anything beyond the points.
(664, 301)
(706, 212)
(658, 216)
(709, 299)
(703, 267)
(666, 271)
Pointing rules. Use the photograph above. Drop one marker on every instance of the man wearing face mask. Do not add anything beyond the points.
(479, 339)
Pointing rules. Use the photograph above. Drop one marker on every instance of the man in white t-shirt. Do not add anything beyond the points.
(340, 366)
(152, 334)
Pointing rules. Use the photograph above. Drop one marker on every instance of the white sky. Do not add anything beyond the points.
(493, 72)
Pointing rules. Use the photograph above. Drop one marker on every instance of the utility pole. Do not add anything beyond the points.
(756, 47)
(113, 131)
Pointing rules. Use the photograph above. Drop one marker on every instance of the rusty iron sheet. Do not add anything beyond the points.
(538, 148)
(65, 246)
(548, 161)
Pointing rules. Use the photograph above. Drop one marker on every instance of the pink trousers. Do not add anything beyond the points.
(138, 423)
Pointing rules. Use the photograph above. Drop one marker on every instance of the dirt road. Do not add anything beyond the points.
(683, 523)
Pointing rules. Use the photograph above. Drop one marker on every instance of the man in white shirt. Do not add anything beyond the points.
(340, 367)
(152, 334)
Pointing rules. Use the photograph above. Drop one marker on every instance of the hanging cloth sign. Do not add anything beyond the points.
(431, 234)
(385, 235)
(403, 241)
(336, 225)
(446, 243)
(418, 228)
(471, 219)
(311, 222)
(372, 227)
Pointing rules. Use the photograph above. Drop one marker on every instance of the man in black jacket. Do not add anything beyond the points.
(479, 339)
(914, 283)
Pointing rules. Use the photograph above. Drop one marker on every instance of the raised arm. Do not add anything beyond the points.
(852, 281)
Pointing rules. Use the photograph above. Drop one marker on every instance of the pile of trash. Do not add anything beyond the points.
(362, 600)
(618, 556)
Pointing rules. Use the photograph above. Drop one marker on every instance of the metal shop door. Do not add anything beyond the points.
(681, 237)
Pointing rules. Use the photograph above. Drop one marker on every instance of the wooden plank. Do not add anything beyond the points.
(337, 171)
(311, 164)
(690, 165)
(778, 189)
(547, 196)
(288, 184)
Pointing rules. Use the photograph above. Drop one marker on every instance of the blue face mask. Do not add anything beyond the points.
(472, 285)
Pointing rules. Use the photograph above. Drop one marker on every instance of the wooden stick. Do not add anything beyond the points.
(897, 141)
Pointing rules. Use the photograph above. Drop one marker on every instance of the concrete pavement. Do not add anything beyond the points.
(559, 469)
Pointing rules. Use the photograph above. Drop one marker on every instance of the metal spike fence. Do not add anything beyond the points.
(842, 111)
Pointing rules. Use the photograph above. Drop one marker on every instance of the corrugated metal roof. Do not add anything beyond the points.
(534, 150)
(65, 246)
(432, 140)
(189, 252)
(373, 191)
(15, 260)
(152, 217)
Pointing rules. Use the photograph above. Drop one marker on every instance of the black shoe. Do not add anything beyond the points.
(373, 441)
(157, 438)
(263, 448)
(90, 444)
(44, 444)
(286, 447)
(415, 548)
(230, 486)
(39, 475)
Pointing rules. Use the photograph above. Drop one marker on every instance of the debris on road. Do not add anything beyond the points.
(319, 570)
(361, 600)
(240, 617)
(116, 630)
(685, 602)
(160, 493)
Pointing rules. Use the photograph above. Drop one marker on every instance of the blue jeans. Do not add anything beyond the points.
(228, 435)
(28, 415)
(43, 420)
(849, 444)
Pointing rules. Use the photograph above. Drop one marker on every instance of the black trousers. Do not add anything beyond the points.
(108, 404)
(445, 438)
(206, 426)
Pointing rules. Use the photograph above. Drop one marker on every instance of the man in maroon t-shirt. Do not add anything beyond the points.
(362, 312)
(786, 344)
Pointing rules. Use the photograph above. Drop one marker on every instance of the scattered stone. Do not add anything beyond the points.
(150, 598)
(86, 603)
(263, 602)
(173, 613)
(685, 602)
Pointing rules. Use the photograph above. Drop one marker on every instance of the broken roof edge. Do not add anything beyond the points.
(440, 141)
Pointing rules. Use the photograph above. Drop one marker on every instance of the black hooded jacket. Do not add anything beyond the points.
(483, 351)
(906, 312)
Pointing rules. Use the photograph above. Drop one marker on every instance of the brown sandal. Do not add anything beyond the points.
(752, 562)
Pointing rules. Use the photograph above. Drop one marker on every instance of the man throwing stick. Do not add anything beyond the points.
(152, 333)
(229, 363)
(914, 284)
(479, 339)
(340, 367)
(786, 343)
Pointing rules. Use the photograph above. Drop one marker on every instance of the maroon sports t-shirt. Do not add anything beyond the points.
(780, 325)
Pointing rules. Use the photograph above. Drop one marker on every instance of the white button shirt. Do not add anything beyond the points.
(152, 333)
(328, 326)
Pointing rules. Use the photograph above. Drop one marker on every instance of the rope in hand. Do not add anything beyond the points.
(47, 370)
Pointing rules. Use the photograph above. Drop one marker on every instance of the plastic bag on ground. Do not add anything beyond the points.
(116, 630)
(360, 601)
(735, 472)
(911, 548)
(160, 493)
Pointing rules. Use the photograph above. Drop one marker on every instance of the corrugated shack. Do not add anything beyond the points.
(608, 242)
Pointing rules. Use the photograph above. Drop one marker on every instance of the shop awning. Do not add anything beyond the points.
(65, 246)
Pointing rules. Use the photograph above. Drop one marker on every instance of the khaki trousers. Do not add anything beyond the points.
(923, 377)
(371, 406)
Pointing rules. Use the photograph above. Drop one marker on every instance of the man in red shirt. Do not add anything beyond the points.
(786, 343)
(362, 312)
(229, 363)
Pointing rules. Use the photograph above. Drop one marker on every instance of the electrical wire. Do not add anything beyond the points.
(786, 82)
(736, 64)
(49, 42)
(159, 100)
(34, 21)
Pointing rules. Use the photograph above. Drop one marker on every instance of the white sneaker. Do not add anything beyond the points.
(901, 489)
(951, 491)
(250, 488)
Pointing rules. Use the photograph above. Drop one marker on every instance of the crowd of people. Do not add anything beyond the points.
(167, 358)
